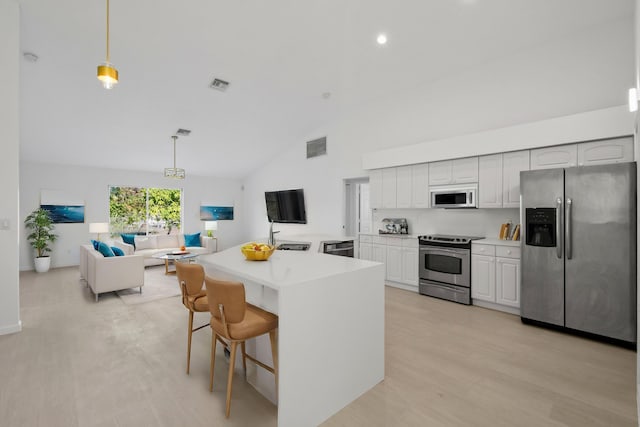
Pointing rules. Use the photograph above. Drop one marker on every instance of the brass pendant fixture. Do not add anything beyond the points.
(107, 73)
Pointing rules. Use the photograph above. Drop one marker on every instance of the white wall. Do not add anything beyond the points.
(10, 124)
(637, 158)
(583, 72)
(92, 185)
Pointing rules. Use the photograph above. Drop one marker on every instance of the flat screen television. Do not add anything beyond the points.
(286, 206)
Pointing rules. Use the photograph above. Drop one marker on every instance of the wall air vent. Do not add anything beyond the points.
(183, 132)
(218, 84)
(317, 147)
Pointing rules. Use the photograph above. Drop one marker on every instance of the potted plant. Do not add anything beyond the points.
(41, 226)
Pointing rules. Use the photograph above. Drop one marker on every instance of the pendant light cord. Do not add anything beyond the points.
(174, 151)
(108, 56)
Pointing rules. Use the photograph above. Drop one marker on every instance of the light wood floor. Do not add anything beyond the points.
(78, 363)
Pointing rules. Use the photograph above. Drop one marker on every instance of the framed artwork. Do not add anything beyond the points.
(62, 207)
(65, 214)
(216, 213)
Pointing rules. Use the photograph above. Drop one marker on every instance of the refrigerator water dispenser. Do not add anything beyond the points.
(541, 227)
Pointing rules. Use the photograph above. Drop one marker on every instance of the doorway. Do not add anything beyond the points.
(357, 207)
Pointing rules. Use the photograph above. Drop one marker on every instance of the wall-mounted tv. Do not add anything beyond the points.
(286, 206)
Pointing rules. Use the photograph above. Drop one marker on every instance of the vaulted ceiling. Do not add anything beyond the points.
(281, 59)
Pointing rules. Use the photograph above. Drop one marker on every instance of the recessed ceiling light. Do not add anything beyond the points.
(326, 95)
(382, 38)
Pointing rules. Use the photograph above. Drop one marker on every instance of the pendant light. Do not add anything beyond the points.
(174, 172)
(107, 73)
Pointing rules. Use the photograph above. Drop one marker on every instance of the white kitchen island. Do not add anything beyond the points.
(331, 327)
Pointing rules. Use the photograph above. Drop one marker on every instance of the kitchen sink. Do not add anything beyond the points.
(294, 246)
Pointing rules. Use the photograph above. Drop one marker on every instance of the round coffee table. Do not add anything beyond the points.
(175, 257)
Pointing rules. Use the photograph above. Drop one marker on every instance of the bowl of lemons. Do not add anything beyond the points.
(257, 251)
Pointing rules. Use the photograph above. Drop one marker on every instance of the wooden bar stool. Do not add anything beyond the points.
(236, 321)
(194, 297)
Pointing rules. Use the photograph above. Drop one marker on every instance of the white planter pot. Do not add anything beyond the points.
(42, 264)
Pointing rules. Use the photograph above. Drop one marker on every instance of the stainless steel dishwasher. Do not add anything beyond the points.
(338, 247)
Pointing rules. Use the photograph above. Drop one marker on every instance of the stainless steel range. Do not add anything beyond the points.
(445, 267)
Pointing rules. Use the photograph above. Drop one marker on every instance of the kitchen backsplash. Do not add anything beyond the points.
(466, 222)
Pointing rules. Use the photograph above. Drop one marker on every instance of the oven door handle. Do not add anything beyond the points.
(451, 251)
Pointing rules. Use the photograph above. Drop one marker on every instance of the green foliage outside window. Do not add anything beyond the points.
(145, 210)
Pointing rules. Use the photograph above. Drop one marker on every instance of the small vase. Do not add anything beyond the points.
(42, 264)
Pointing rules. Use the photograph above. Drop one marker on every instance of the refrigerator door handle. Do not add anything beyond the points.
(559, 227)
(567, 239)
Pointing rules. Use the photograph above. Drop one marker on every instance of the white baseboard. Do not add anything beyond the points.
(494, 306)
(402, 286)
(11, 329)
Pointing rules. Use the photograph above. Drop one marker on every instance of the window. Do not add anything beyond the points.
(138, 210)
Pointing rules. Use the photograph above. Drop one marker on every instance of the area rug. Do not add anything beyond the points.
(157, 285)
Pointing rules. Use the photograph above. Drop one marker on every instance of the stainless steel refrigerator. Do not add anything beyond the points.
(579, 249)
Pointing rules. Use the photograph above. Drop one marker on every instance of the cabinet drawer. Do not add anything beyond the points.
(379, 240)
(410, 243)
(394, 241)
(508, 251)
(366, 238)
(481, 249)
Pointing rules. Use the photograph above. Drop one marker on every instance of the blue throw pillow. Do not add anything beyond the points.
(130, 239)
(192, 240)
(105, 250)
(95, 244)
(117, 251)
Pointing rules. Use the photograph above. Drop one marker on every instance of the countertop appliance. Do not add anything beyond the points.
(394, 226)
(337, 247)
(459, 196)
(579, 249)
(445, 267)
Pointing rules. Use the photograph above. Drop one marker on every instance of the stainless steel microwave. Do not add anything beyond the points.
(462, 196)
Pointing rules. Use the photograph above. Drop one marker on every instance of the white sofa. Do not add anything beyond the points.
(147, 246)
(107, 274)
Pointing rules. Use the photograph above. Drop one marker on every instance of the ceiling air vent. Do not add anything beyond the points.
(317, 147)
(218, 84)
(183, 132)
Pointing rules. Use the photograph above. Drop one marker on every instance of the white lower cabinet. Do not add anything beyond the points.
(508, 282)
(483, 277)
(365, 251)
(495, 275)
(379, 253)
(410, 266)
(394, 263)
(399, 254)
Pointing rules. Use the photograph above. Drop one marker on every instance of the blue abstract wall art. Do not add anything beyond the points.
(65, 214)
(216, 213)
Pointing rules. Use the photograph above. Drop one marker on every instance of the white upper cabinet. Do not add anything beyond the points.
(490, 181)
(605, 151)
(465, 170)
(459, 171)
(375, 188)
(440, 173)
(512, 164)
(420, 184)
(404, 187)
(497, 175)
(561, 156)
(389, 180)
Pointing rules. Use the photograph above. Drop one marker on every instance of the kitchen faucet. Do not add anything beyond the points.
(272, 238)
